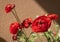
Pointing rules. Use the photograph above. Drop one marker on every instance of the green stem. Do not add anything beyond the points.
(26, 38)
(47, 36)
(52, 36)
(15, 15)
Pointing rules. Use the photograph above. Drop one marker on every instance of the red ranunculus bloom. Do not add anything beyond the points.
(26, 23)
(9, 7)
(53, 16)
(14, 27)
(41, 24)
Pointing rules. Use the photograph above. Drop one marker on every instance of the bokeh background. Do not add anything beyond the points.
(25, 9)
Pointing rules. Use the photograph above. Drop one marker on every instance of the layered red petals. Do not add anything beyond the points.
(41, 24)
(26, 23)
(53, 16)
(9, 7)
(14, 27)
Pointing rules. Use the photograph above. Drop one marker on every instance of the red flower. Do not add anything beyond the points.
(53, 16)
(14, 37)
(14, 27)
(41, 24)
(9, 7)
(26, 23)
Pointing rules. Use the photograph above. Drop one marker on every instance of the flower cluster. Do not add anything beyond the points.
(40, 24)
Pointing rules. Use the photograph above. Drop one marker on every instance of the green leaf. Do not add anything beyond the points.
(21, 36)
(47, 34)
(31, 40)
(56, 37)
(19, 33)
(33, 36)
(21, 39)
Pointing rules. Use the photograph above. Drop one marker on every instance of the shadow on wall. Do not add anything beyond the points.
(51, 6)
(2, 40)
